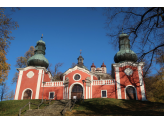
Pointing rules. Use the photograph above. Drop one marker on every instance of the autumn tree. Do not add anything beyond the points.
(6, 26)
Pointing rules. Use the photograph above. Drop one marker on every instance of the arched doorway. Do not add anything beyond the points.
(77, 91)
(27, 94)
(130, 93)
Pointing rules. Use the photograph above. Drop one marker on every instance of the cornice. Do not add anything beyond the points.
(128, 63)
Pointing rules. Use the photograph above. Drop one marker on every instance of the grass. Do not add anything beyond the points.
(92, 107)
(115, 107)
(12, 107)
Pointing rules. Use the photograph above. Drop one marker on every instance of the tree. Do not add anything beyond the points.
(22, 62)
(143, 25)
(4, 92)
(6, 26)
(56, 73)
(11, 95)
(154, 87)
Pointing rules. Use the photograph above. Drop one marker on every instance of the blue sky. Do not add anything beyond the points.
(65, 31)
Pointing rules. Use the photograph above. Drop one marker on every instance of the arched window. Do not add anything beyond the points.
(77, 88)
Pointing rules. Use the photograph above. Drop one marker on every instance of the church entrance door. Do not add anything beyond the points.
(27, 94)
(130, 93)
(77, 91)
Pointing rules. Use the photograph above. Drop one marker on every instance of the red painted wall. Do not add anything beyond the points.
(29, 83)
(46, 77)
(96, 91)
(95, 78)
(57, 90)
(129, 80)
(83, 77)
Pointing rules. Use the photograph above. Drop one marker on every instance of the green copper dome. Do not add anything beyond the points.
(125, 53)
(39, 59)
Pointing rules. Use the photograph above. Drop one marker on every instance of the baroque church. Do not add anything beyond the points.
(126, 80)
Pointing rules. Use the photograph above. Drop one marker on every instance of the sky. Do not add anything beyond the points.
(66, 31)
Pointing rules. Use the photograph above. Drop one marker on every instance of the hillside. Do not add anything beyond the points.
(114, 107)
(92, 107)
(11, 107)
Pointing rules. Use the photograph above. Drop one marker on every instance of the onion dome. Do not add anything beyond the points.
(38, 59)
(93, 65)
(103, 65)
(124, 53)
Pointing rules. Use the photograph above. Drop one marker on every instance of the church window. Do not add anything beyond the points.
(103, 93)
(77, 77)
(51, 95)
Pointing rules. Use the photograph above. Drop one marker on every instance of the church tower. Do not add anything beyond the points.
(93, 68)
(30, 78)
(127, 72)
(103, 67)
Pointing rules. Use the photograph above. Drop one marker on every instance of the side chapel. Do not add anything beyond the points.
(126, 81)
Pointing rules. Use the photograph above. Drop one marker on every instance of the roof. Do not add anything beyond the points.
(103, 65)
(93, 65)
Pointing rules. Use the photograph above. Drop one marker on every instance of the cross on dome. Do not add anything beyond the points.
(80, 52)
(122, 30)
(42, 37)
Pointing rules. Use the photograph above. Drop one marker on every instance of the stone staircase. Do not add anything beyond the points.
(51, 110)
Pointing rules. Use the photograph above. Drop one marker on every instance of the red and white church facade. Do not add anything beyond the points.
(35, 81)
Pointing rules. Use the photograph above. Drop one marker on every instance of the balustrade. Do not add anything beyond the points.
(103, 82)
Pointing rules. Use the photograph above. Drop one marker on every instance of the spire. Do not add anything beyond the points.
(41, 36)
(122, 35)
(103, 65)
(80, 59)
(80, 52)
(93, 65)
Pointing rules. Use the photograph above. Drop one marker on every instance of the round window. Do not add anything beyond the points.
(77, 77)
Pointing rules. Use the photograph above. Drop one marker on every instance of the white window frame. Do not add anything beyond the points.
(49, 94)
(74, 76)
(101, 93)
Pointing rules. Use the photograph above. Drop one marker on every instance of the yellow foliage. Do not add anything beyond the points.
(4, 67)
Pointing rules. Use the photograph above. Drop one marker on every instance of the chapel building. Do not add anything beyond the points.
(126, 81)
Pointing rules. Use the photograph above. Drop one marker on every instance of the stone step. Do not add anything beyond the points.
(51, 110)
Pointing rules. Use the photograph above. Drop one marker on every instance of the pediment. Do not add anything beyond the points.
(77, 68)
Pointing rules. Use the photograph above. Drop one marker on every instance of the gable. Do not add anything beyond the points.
(77, 68)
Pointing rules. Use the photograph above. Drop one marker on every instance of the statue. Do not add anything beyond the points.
(66, 82)
(88, 81)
